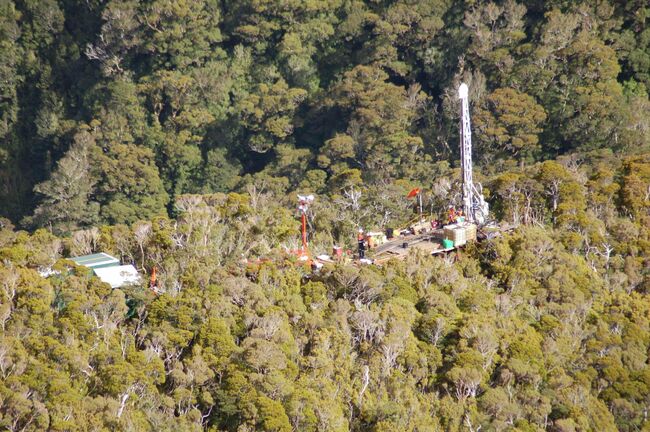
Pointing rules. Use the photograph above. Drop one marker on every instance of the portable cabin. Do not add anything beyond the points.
(97, 260)
(118, 276)
(108, 269)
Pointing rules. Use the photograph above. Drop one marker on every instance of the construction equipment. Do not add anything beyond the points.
(426, 235)
(460, 233)
(303, 206)
(474, 205)
(463, 224)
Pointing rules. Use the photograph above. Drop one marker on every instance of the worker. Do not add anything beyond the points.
(153, 281)
(452, 215)
(362, 244)
(460, 217)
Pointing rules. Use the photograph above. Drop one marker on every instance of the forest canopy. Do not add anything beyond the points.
(175, 135)
(543, 328)
(109, 110)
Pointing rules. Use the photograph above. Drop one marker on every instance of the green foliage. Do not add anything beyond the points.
(545, 326)
(511, 123)
(311, 95)
(130, 188)
(123, 112)
(67, 204)
(266, 114)
(379, 118)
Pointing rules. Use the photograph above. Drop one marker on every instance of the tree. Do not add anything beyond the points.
(130, 188)
(495, 31)
(593, 117)
(378, 119)
(9, 75)
(552, 175)
(10, 78)
(511, 122)
(180, 34)
(267, 115)
(67, 202)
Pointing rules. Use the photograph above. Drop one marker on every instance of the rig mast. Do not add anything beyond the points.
(474, 205)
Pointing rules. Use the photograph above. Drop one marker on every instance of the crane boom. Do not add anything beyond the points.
(474, 205)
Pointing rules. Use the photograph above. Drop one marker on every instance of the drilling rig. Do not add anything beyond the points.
(426, 236)
(475, 207)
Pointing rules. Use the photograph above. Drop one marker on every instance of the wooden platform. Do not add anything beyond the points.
(430, 242)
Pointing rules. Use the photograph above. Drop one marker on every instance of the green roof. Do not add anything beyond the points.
(97, 260)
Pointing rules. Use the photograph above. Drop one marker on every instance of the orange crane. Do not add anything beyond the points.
(304, 201)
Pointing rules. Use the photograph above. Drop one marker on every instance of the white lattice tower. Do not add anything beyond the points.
(475, 207)
(466, 153)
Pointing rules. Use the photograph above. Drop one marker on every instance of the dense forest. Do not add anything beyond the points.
(175, 134)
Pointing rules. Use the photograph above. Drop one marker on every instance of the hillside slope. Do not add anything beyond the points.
(546, 328)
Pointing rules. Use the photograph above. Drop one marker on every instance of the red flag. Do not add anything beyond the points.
(413, 193)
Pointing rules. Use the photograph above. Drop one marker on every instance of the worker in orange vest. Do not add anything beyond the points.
(153, 281)
(361, 239)
(452, 215)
